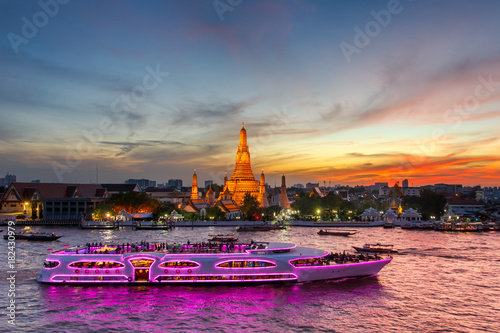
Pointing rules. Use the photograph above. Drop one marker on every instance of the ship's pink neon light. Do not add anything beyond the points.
(93, 260)
(308, 258)
(252, 268)
(180, 267)
(159, 254)
(195, 276)
(52, 260)
(69, 276)
(208, 254)
(153, 258)
(273, 249)
(341, 265)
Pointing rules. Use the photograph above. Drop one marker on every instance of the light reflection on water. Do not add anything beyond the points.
(440, 282)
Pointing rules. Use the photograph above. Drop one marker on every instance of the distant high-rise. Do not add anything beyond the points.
(175, 183)
(378, 186)
(208, 183)
(311, 185)
(405, 183)
(143, 183)
(7, 180)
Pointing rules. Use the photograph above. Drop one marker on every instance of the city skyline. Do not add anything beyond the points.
(352, 93)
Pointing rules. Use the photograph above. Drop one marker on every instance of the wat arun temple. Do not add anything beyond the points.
(242, 181)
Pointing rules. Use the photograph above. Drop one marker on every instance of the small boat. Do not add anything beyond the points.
(459, 226)
(106, 224)
(490, 226)
(337, 232)
(265, 227)
(388, 225)
(34, 236)
(376, 248)
(418, 225)
(151, 225)
(223, 238)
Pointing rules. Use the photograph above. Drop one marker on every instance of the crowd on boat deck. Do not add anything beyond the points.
(335, 259)
(342, 258)
(143, 246)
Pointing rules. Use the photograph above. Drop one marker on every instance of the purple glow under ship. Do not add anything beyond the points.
(258, 262)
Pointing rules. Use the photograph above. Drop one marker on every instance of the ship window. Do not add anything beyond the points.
(179, 264)
(88, 278)
(97, 264)
(319, 261)
(246, 264)
(222, 278)
(141, 262)
(50, 264)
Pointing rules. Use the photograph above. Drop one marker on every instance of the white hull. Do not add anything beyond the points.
(277, 262)
(325, 224)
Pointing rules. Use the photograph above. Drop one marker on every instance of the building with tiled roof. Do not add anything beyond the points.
(52, 201)
(169, 195)
(464, 207)
(316, 191)
(229, 207)
(195, 205)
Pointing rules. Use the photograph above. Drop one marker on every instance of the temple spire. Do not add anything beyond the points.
(262, 184)
(194, 187)
(262, 191)
(242, 180)
(284, 203)
(243, 139)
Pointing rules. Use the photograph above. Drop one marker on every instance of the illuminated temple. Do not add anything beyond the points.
(242, 180)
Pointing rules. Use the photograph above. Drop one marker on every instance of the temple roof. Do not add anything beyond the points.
(228, 206)
(26, 191)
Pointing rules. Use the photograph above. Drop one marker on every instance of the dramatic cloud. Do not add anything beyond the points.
(419, 100)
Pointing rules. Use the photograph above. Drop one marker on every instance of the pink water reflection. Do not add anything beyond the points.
(156, 308)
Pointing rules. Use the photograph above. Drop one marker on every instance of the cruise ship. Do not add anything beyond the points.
(257, 262)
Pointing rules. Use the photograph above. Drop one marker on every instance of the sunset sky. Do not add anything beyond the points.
(351, 92)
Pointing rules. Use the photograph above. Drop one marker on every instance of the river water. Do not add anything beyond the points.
(440, 282)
